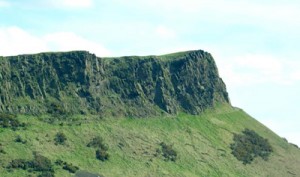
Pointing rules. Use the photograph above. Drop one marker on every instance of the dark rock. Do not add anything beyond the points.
(76, 82)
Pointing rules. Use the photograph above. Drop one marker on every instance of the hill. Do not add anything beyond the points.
(179, 122)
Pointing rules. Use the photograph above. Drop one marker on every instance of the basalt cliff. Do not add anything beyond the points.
(80, 82)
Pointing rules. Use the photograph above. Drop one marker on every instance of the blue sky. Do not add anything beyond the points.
(254, 43)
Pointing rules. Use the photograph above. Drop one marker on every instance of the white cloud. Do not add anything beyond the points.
(229, 11)
(4, 4)
(64, 41)
(71, 3)
(295, 75)
(14, 41)
(164, 32)
(253, 69)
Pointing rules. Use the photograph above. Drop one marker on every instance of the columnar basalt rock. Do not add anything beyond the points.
(80, 82)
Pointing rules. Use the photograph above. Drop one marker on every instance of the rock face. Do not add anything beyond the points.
(80, 82)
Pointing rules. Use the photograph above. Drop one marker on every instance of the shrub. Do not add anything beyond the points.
(168, 152)
(102, 154)
(56, 109)
(66, 166)
(41, 163)
(18, 163)
(20, 140)
(98, 142)
(102, 148)
(71, 168)
(59, 162)
(249, 145)
(10, 121)
(60, 138)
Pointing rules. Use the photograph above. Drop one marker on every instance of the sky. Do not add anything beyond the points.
(255, 43)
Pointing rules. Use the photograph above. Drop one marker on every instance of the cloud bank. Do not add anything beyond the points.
(14, 40)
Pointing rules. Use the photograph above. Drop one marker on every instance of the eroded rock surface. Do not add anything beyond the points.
(80, 82)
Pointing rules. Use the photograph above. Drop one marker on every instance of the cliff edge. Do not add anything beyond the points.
(80, 82)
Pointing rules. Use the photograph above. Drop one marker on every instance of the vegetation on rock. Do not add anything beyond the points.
(79, 83)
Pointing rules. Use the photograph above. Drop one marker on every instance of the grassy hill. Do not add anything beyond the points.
(75, 114)
(201, 142)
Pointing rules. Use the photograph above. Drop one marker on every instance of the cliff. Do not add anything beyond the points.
(80, 82)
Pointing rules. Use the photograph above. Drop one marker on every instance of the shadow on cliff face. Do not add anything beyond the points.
(86, 174)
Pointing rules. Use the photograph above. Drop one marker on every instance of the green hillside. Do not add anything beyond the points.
(202, 144)
(75, 114)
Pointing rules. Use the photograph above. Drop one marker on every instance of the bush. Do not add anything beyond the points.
(41, 163)
(168, 152)
(102, 154)
(66, 166)
(56, 109)
(10, 121)
(71, 168)
(249, 145)
(102, 148)
(60, 138)
(18, 163)
(20, 140)
(98, 142)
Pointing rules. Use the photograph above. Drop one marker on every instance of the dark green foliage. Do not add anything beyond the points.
(102, 154)
(38, 164)
(70, 167)
(56, 109)
(168, 152)
(249, 145)
(67, 166)
(60, 138)
(10, 121)
(41, 163)
(98, 142)
(102, 148)
(19, 139)
(59, 162)
(19, 163)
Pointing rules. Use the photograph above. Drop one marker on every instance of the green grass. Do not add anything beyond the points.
(165, 57)
(202, 144)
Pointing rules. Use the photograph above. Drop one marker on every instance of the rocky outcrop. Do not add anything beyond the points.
(80, 82)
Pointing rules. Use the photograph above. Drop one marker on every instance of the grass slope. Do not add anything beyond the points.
(201, 142)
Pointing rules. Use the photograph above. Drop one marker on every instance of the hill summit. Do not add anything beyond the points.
(80, 82)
